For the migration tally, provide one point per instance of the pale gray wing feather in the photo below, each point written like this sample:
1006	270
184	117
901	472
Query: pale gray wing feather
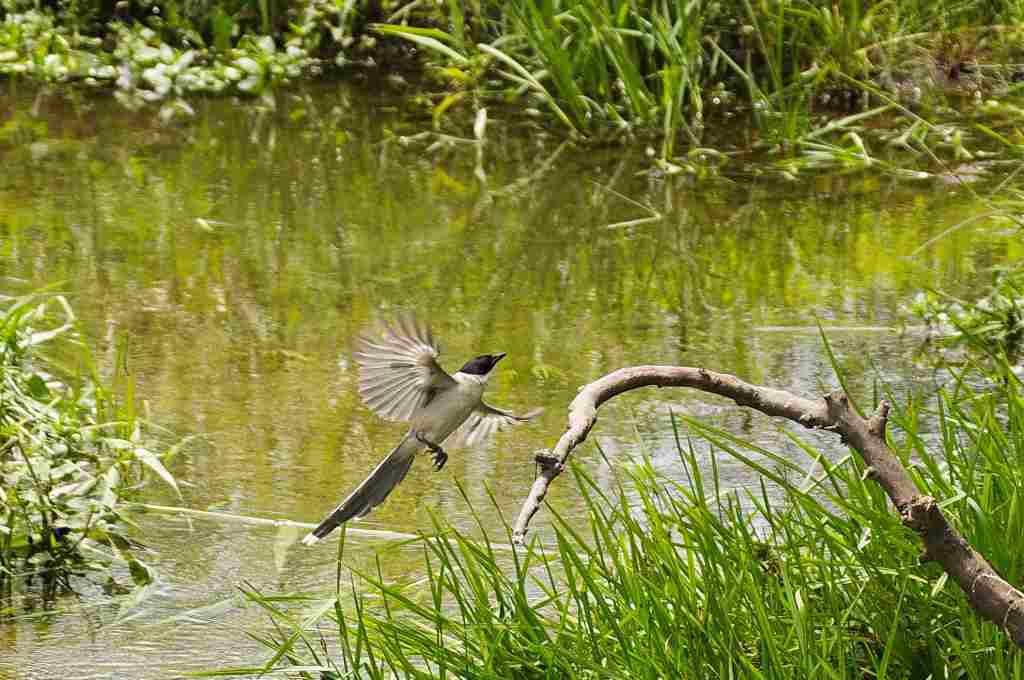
372	492
484	421
398	370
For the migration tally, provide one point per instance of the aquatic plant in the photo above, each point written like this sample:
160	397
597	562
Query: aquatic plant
600	69
70	453
991	325
619	68
143	69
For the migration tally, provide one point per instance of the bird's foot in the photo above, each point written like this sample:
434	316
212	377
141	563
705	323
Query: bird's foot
440	457
546	462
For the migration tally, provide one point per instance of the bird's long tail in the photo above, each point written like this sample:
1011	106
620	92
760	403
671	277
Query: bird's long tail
372	491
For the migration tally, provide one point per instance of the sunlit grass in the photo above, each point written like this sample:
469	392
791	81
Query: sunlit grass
813	577
617	69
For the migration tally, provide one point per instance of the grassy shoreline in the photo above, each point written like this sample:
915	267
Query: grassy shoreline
841	81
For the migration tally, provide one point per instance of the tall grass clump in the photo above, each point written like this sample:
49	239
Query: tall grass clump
70	453
809	575
627	67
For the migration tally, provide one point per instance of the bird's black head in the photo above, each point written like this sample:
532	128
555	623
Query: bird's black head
482	364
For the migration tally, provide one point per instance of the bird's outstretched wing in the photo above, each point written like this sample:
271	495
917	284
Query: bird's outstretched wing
398	371
484	421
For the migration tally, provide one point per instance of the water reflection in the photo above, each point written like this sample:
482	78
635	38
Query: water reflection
239	257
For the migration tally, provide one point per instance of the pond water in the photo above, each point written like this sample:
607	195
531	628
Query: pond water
237	257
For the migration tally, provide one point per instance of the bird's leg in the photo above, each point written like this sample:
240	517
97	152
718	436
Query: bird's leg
440	457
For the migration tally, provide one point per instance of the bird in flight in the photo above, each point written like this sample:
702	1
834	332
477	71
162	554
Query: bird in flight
400	379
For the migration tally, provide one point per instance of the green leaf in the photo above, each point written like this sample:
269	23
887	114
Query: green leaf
405	31
37	388
141	573
446	103
111	479
221	25
150	460
531	79
420	39
455	16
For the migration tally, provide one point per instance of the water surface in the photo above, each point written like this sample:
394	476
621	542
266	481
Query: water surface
238	257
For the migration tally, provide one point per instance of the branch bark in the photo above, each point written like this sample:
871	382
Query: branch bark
992	597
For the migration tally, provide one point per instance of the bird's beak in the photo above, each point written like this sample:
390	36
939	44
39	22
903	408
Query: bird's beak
498	357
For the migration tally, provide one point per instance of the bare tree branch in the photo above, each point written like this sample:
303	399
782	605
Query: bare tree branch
988	593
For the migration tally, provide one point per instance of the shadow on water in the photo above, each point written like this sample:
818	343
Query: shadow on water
240	255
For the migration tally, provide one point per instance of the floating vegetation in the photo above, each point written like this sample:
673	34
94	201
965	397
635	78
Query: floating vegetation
150	64
70	453
142	69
